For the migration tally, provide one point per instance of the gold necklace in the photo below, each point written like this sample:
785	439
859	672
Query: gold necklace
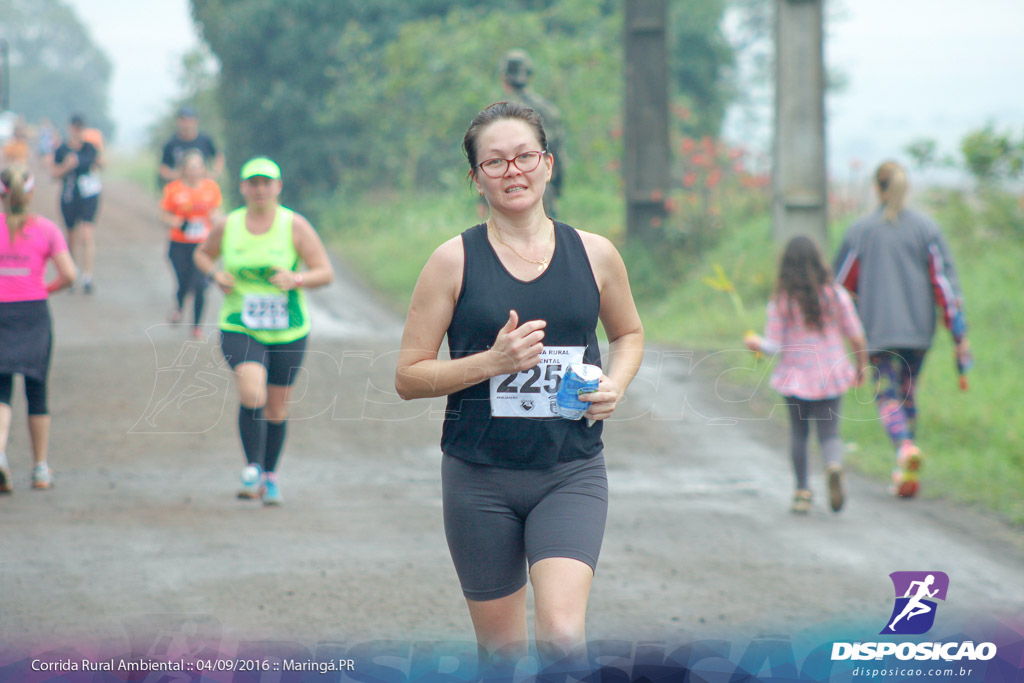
542	264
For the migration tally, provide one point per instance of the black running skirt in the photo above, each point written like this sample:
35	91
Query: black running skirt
26	338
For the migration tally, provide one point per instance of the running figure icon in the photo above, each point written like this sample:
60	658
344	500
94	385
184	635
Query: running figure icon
915	607
916	596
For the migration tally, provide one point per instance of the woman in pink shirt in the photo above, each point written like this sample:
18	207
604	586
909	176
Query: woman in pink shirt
27	242
808	319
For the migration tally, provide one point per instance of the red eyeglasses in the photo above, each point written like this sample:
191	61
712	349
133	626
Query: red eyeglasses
525	162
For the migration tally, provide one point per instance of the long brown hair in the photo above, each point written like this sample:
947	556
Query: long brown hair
891	179
15	185
803	281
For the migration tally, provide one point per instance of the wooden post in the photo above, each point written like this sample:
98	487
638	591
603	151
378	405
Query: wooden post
5	76
800	184
646	167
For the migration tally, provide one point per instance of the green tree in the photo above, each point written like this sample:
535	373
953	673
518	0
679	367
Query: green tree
431	89
303	81
700	60
990	155
56	70
197	81
370	95
924	152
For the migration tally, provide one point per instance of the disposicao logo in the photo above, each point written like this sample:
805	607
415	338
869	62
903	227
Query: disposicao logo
916	592
913	614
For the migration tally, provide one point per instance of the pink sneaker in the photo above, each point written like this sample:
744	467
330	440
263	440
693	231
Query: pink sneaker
906	476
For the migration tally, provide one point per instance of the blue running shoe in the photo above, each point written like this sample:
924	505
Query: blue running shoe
271	496
251	485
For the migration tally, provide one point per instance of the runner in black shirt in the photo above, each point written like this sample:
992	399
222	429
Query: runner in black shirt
187	136
524	491
76	163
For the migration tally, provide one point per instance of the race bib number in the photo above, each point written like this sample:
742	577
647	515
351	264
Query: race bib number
266	312
194	230
89	185
531	393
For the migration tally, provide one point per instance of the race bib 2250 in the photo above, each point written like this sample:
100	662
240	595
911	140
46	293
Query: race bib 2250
531	393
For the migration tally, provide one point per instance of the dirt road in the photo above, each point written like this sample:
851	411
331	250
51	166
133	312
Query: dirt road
142	537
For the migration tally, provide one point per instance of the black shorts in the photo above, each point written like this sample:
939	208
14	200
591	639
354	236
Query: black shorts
80	210
282	361
26	338
499	521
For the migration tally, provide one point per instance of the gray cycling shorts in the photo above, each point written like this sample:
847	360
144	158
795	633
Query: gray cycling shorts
499	521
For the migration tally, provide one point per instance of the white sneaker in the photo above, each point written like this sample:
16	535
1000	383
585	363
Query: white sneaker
42	477
251	485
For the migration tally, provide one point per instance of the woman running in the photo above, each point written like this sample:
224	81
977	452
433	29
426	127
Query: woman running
519	298
27	242
189	204
897	264
264	320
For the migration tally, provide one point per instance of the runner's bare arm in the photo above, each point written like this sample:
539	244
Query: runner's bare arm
168	173
621	324
66	272
207	254
420	373
173	220
319	270
60	170
218	165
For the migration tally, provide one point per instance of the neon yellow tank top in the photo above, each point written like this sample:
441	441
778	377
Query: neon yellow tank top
255	307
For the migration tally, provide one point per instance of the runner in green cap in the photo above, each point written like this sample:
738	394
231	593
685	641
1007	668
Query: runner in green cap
264	320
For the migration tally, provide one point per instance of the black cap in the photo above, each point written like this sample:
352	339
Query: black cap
77	120
187	112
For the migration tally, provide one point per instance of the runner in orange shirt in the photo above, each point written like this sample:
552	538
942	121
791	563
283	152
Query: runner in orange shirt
16	149
188	204
95	137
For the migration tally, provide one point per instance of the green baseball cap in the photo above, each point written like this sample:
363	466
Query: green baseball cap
261	166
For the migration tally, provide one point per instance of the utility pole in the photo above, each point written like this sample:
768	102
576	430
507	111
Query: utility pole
646	168
799	179
5	76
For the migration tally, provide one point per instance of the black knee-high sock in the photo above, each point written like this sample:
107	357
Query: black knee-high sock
253	430
275	442
199	296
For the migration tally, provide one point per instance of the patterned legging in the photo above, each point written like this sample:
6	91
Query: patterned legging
897	382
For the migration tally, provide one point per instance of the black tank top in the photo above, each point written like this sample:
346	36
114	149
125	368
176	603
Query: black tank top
566	296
